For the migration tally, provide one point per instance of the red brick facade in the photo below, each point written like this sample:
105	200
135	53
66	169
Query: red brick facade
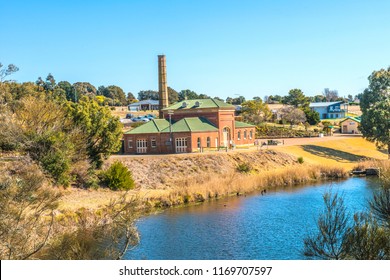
227	134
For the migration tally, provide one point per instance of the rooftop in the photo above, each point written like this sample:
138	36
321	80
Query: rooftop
153	126
195	124
142	102
356	119
324	104
199	104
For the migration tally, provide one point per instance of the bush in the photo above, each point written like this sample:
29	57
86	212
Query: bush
118	177
300	160
244	167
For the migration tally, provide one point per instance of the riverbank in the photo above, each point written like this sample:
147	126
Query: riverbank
167	180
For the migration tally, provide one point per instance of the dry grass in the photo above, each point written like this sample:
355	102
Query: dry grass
238	184
342	152
177	179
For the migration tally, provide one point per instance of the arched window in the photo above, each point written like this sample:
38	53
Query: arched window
239	135
208	142
198	142
250	134
245	134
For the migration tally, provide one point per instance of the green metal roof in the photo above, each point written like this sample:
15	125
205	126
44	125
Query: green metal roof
194	124
199	104
242	124
153	126
357	119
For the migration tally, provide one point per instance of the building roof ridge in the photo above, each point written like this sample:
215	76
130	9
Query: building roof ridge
187	124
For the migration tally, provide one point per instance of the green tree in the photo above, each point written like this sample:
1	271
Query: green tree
332	225
40	126
103	131
375	106
255	111
130	98
239	100
118	177
84	88
70	92
312	117
173	96
148	94
187	94
219	99
296	98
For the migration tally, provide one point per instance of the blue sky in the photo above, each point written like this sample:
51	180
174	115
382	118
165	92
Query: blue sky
220	48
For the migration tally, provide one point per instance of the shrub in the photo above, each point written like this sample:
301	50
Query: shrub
118	177
244	167
300	160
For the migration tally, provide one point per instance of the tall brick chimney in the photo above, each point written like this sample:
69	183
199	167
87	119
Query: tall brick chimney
162	84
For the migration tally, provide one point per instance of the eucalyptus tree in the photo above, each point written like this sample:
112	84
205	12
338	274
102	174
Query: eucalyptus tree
375	106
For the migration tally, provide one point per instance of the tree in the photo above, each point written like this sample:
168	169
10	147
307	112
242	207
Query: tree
7	71
130	98
29	228
40	83
118	177
219	99
366	239
40	127
255	111
318	98
82	89
50	83
312	117
115	93
173	95
148	94
103	131
332	226
297	99
70	92
331	95
375	106
275	99
239	100
27	210
187	94
292	115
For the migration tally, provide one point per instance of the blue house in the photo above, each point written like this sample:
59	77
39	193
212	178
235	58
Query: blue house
330	110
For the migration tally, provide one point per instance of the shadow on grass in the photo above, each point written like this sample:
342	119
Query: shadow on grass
333	154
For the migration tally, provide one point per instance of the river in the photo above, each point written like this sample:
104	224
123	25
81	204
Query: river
269	226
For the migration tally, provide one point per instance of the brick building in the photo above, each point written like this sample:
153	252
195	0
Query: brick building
188	126
194	125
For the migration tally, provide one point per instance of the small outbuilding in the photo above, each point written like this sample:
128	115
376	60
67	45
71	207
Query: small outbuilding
144	105
350	125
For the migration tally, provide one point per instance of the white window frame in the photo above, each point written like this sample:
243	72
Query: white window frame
153	140
130	143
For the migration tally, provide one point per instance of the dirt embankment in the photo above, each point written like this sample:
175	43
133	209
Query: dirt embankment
170	171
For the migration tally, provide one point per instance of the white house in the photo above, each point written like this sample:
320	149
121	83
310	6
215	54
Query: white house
330	110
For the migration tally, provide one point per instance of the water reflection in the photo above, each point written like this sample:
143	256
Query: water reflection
270	226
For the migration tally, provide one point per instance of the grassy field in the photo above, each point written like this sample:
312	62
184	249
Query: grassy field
342	152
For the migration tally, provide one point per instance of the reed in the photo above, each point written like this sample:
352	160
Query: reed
217	186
